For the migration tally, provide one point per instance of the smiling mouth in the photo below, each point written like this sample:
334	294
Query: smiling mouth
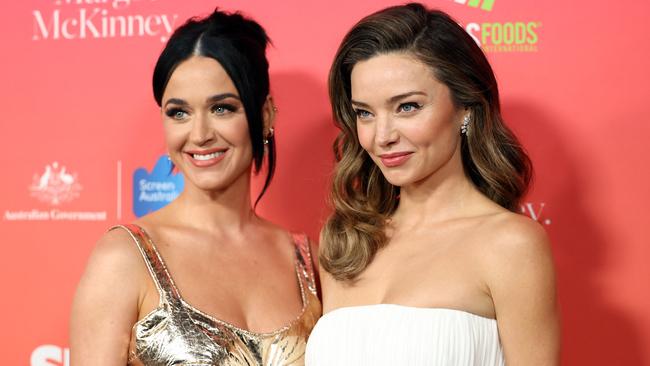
204	157
395	159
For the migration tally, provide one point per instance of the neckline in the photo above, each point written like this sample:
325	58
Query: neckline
407	307
187	305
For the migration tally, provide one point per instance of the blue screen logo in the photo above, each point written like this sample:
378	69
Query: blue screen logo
152	191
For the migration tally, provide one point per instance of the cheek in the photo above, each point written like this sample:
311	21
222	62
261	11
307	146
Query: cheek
236	133
174	136
366	135
431	131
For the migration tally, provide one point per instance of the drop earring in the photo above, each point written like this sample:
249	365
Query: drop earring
464	128
266	139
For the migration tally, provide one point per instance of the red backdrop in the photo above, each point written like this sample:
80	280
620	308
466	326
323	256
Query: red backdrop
81	119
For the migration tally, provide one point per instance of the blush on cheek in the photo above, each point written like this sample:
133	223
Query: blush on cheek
365	136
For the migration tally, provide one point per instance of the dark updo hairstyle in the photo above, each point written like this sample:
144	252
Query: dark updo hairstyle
492	157
239	45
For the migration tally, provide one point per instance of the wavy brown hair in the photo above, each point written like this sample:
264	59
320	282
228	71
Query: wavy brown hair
492	157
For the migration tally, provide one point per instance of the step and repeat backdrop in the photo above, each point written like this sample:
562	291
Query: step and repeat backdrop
81	145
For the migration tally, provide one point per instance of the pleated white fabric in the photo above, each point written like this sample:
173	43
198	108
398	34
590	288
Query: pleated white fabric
386	334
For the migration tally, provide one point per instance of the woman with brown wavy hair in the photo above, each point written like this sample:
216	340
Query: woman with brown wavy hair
424	260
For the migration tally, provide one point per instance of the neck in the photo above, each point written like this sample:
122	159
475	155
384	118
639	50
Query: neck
228	210
435	200
446	194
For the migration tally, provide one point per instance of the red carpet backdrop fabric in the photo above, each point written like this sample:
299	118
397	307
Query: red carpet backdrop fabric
82	142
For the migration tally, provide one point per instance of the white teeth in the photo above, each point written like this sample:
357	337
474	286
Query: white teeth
208	156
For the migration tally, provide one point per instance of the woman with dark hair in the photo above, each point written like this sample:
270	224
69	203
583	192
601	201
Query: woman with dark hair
204	280
424	259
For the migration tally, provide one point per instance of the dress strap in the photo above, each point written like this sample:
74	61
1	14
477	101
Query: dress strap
303	254
157	268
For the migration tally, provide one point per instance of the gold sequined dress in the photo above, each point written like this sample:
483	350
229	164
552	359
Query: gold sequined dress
175	333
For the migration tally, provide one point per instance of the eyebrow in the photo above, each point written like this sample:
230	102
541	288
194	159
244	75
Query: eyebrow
218	97
392	99
212	99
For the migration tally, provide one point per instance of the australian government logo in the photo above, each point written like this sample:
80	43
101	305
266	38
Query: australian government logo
54	186
94	19
152	191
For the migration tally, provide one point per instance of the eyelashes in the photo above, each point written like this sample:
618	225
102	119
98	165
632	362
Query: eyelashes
409	107
403	108
176	113
361	113
221	109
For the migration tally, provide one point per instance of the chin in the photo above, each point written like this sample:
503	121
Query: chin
215	181
398	180
207	183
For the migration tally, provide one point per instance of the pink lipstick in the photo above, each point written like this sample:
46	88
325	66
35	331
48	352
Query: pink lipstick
393	160
205	158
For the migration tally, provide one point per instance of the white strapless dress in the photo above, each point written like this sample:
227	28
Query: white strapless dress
395	335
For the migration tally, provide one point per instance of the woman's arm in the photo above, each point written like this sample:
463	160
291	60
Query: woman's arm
522	285
105	306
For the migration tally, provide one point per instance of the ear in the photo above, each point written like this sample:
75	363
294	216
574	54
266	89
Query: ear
268	114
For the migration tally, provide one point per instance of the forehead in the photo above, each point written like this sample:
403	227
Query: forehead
199	75
390	74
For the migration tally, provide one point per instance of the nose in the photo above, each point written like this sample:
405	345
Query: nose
202	131
386	134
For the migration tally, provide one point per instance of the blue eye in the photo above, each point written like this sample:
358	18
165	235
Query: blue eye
409	107
362	114
223	108
175	113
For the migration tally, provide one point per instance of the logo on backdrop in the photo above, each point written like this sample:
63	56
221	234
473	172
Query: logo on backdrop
54	185
536	212
486	5
152	191
50	355
88	19
505	36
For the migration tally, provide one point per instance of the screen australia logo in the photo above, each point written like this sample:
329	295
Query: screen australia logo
89	19
152	191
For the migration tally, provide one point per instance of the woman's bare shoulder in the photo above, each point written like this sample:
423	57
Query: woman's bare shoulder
516	254
114	257
512	232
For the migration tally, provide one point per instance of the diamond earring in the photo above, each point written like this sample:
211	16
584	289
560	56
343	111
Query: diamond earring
464	128
266	139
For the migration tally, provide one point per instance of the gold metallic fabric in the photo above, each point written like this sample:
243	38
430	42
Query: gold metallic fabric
175	333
